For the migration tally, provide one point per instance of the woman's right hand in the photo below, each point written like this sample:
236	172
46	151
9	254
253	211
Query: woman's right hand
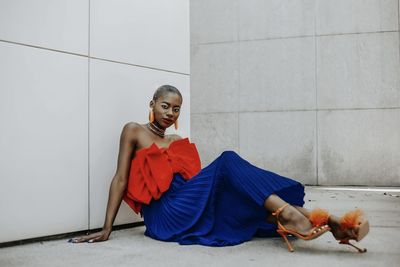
103	235
118	185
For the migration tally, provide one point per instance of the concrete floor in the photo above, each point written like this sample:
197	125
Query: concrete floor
130	247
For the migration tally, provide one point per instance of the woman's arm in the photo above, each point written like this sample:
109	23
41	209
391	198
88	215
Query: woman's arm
118	185
120	180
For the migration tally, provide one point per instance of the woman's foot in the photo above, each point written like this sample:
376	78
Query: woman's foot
292	219
334	223
338	232
349	227
292	222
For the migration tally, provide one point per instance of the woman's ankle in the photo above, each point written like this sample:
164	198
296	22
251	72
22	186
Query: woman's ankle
291	214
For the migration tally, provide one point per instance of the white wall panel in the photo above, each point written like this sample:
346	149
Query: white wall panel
147	33
61	25
119	94
46	97
43	142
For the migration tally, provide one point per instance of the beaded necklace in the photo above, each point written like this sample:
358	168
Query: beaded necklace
152	127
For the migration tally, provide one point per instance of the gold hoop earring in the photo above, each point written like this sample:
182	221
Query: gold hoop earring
176	125
151	115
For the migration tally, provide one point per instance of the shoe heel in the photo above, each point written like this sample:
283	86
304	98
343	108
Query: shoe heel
283	234
347	242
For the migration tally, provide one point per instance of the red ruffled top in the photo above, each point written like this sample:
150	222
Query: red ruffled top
152	171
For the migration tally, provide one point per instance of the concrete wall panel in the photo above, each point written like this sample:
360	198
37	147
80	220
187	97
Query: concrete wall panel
356	16
282	142
358	71
260	19
301	57
277	74
214	133
359	147
213	21
215	78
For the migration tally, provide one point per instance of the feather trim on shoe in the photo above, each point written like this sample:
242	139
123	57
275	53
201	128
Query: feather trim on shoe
351	219
319	217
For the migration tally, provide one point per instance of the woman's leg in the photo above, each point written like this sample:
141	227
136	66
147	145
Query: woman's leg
333	222
290	217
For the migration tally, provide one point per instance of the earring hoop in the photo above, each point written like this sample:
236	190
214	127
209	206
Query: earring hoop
151	115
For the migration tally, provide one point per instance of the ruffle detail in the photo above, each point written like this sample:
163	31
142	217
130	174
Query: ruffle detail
152	170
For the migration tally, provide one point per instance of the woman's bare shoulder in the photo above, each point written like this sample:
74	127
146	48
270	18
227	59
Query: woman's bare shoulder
131	130
131	125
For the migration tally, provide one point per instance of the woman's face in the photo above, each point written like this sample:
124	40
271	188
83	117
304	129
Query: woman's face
166	109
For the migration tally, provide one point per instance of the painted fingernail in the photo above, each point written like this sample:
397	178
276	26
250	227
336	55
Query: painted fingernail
90	241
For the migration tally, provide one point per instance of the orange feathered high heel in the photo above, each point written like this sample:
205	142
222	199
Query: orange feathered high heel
351	220
354	220
319	221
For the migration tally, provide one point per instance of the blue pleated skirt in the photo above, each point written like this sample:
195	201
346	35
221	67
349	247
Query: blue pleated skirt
222	205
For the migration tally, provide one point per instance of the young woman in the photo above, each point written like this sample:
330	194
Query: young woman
226	203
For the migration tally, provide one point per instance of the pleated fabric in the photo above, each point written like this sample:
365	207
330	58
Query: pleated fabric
222	205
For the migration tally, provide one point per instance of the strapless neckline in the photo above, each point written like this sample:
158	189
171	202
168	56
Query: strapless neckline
162	148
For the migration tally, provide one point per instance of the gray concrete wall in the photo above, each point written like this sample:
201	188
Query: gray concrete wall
306	88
